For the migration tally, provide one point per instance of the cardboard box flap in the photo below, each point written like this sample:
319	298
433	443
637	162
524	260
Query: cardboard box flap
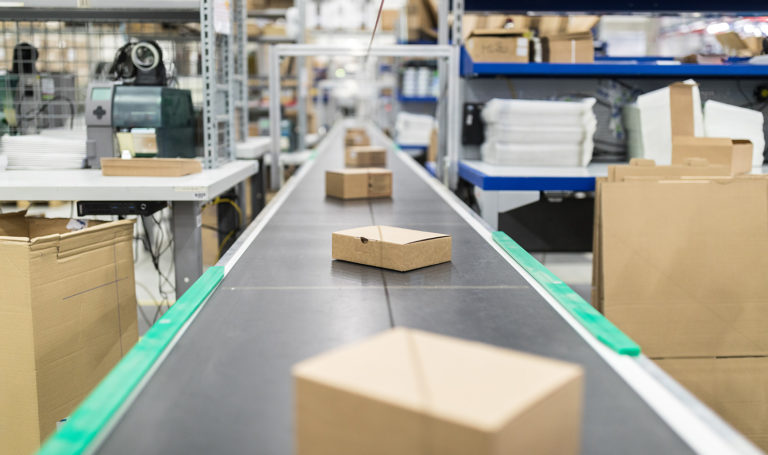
496	32
390	234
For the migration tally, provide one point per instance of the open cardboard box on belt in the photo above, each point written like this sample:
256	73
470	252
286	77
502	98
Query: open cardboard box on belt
681	266
67	316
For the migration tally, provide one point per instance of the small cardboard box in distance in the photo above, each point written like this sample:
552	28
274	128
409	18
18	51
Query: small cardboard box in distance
498	46
365	156
356	137
736	154
391	247
568	48
358	183
409	392
67	316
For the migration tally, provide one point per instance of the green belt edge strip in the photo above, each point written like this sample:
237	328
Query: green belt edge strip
93	414
600	327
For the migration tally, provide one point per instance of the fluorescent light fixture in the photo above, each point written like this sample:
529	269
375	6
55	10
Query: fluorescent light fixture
11	4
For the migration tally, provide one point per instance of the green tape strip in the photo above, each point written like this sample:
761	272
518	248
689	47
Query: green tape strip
590	318
93	414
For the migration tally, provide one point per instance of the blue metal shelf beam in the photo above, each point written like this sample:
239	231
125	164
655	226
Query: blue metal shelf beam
630	68
735	7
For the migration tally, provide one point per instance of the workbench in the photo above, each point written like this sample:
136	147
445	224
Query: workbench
186	195
214	374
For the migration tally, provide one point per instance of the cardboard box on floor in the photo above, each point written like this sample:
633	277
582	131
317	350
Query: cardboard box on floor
409	392
358	183
67	316
680	262
735	388
365	156
391	247
498	46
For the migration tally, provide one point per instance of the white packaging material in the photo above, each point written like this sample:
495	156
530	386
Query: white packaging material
725	120
507	154
413	129
3	162
539	133
655	120
43	152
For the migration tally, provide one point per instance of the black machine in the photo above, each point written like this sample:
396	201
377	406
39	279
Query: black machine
139	63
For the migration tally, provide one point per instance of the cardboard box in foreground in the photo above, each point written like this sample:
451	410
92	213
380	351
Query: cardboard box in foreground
736	388
409	392
358	183
365	156
391	247
67	316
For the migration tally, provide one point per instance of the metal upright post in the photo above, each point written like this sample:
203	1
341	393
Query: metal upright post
208	49
301	73
240	76
443	77
274	117
448	168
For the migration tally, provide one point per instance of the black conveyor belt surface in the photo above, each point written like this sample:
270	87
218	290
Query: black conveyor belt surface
226	388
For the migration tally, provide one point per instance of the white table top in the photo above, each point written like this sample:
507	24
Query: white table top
494	170
90	185
593	170
253	147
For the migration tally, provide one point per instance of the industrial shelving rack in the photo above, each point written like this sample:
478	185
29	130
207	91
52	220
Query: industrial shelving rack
224	68
635	68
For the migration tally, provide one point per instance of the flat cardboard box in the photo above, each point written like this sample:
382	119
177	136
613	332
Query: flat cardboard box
734	387
150	167
67	316
683	262
409	392
498	46
735	154
391	247
568	48
358	183
365	156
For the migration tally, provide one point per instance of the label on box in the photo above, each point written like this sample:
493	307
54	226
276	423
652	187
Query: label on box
522	47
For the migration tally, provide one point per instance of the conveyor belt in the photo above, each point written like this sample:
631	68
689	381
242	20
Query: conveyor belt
225	387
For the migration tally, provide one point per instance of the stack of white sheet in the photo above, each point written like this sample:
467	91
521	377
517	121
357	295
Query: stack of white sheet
43	152
413	129
539	133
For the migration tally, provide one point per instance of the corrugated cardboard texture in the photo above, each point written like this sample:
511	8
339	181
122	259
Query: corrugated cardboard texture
358	183
356	137
681	109
736	154
498	46
365	156
735	388
684	263
67	316
150	167
391	247
409	392
568	48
